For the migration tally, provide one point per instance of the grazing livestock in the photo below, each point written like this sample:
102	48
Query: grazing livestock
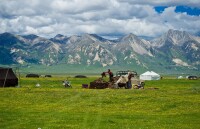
192	77
48	76
80	76
32	75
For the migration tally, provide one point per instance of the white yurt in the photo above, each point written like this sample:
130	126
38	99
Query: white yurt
150	75
180	77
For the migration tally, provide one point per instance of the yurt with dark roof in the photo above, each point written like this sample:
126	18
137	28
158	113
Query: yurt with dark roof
8	77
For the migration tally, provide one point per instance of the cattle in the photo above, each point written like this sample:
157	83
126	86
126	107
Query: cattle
80	76
32	75
192	77
47	76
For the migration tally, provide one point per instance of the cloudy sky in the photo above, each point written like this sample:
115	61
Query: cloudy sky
104	17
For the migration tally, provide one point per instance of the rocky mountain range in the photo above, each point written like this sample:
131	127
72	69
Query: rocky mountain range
171	51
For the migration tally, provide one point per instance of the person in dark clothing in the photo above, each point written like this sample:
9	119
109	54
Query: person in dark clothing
110	75
129	84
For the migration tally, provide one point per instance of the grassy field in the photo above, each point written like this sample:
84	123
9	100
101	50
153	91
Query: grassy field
174	105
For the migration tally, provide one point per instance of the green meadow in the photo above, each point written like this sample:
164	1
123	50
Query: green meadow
174	105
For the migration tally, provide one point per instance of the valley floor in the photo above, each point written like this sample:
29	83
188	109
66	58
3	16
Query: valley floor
175	104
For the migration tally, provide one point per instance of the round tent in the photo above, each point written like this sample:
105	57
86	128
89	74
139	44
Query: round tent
150	75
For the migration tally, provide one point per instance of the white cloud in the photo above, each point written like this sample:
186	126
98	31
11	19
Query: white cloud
113	17
31	30
180	21
78	6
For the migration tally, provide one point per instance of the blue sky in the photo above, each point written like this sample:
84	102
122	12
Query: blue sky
180	9
103	17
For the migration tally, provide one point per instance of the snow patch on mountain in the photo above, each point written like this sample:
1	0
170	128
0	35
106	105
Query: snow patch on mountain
88	62
194	46
97	47
104	65
125	57
42	61
13	50
90	54
197	63
96	58
179	62
111	62
139	49
20	61
56	47
74	60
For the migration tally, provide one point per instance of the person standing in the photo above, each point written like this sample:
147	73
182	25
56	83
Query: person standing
110	75
128	83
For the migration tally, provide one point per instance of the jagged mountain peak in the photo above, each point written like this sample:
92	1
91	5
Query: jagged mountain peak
133	43
98	37
90	37
177	35
86	35
30	36
132	39
172	31
85	39
73	39
6	34
90	49
172	37
59	36
129	37
8	38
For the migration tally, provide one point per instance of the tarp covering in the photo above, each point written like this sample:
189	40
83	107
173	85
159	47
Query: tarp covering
150	75
7	77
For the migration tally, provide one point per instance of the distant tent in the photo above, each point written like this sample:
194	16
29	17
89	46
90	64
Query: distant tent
180	77
7	77
150	75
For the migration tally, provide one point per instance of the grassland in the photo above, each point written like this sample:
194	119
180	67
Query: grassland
174	105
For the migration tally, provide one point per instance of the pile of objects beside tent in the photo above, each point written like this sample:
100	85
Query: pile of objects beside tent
119	81
99	84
